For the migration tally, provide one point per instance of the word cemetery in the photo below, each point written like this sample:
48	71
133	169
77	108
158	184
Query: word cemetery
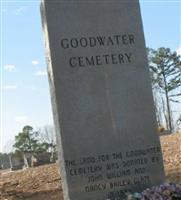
101	98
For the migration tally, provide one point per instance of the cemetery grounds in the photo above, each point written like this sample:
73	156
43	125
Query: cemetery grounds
44	182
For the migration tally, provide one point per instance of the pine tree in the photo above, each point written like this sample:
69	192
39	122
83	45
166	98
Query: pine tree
165	68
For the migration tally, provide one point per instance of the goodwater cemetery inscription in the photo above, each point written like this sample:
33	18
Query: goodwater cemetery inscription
102	99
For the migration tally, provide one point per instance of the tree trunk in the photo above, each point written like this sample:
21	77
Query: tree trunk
167	104
157	110
169	113
164	113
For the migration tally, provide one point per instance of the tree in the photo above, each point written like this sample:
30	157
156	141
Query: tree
165	68
26	140
47	136
27	143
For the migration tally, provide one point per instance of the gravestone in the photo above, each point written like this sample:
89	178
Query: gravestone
16	162
101	98
4	161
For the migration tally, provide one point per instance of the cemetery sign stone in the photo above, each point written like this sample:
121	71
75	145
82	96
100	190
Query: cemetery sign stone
102	99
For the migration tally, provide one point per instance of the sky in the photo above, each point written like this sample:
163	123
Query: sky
25	97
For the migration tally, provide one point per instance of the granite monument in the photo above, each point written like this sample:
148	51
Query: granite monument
101	98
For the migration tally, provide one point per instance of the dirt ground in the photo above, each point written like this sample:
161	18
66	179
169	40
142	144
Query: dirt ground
44	182
171	149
